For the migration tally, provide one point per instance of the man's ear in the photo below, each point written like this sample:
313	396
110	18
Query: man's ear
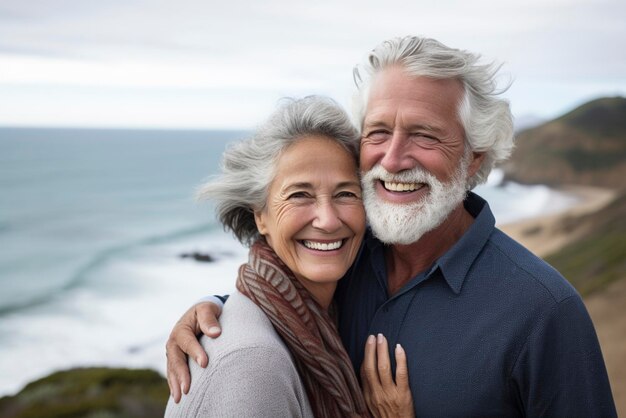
476	163
259	219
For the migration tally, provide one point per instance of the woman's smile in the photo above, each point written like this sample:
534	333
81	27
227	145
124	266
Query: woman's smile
314	218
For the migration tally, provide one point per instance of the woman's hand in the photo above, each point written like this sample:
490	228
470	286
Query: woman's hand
385	398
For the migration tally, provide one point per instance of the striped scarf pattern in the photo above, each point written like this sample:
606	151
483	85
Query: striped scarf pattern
308	331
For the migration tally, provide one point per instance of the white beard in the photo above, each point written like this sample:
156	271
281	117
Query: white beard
395	223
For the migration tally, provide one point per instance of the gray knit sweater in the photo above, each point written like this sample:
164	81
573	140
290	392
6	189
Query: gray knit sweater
250	373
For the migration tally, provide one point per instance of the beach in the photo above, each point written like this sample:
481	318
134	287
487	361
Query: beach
607	307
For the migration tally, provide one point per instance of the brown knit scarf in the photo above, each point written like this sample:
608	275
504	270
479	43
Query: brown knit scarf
308	331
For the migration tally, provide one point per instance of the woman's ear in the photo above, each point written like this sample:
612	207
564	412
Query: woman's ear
259	219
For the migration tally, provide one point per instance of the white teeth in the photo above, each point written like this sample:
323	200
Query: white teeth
322	246
400	187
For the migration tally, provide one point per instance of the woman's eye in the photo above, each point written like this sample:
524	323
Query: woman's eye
347	194
298	195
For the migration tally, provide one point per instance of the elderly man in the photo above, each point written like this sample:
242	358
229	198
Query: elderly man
489	329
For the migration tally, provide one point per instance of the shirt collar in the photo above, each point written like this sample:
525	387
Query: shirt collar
374	248
456	262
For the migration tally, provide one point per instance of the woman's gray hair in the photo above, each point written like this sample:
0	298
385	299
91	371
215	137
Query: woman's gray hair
248	167
486	118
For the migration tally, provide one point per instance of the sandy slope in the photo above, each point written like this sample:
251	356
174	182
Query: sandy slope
608	312
543	235
607	307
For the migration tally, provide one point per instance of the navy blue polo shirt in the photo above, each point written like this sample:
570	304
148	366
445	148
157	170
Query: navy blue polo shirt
490	330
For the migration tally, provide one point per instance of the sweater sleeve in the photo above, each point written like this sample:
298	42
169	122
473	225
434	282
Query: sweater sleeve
560	371
249	381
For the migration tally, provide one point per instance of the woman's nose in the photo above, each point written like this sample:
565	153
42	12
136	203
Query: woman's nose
326	217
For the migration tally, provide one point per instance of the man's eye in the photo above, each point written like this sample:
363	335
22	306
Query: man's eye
378	135
426	138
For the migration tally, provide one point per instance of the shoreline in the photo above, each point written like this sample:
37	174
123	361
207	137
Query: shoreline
544	234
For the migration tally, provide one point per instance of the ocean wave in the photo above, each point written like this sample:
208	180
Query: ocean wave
122	314
99	260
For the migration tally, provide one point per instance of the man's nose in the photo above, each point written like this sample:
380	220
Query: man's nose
326	217
397	155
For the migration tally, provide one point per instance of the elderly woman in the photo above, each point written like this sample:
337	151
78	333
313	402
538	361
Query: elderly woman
292	193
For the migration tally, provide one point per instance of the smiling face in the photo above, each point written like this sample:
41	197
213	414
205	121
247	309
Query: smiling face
314	218
413	154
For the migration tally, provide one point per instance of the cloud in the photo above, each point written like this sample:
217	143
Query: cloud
280	47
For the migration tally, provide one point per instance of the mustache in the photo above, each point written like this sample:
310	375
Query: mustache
414	175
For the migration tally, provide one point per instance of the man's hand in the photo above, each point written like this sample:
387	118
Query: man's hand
199	319
384	397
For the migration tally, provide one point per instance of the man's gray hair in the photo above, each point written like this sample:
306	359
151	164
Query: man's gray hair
485	117
248	167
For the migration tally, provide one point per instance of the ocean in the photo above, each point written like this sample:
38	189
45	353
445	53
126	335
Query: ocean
93	224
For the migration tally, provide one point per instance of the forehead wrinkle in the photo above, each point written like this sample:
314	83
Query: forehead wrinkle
411	120
374	124
348	184
287	186
299	185
398	118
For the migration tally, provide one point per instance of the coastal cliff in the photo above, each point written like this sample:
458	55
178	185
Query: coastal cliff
586	146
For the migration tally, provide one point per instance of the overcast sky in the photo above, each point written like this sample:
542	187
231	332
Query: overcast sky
224	64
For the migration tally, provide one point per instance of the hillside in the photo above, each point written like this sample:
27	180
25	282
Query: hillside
599	256
91	392
586	146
